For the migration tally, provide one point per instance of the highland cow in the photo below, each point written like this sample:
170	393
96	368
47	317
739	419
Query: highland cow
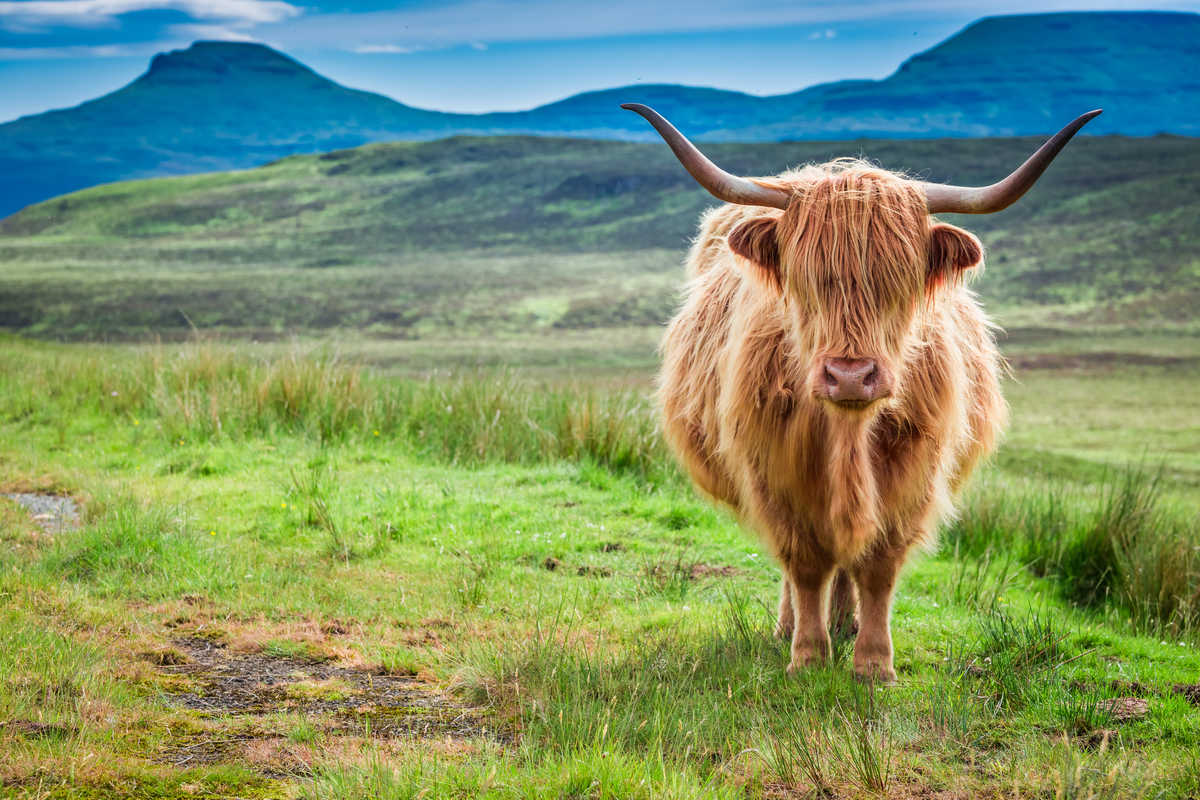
831	378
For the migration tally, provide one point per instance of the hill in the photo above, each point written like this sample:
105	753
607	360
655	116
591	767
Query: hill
470	237
224	105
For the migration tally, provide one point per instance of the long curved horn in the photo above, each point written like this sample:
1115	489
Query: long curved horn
999	196
719	183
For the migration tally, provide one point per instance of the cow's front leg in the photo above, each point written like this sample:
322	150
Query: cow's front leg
786	621
875	579
810	607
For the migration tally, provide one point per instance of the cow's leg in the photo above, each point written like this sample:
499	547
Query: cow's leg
787	616
810	606
842	606
875	578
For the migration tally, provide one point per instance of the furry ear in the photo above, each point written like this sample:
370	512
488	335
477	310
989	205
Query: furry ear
755	241
951	250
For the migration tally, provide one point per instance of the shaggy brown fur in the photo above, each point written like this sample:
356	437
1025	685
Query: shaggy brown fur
854	268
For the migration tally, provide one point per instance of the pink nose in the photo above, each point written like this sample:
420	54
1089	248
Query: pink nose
854	381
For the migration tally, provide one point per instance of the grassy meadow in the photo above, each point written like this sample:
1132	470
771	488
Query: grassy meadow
373	503
300	577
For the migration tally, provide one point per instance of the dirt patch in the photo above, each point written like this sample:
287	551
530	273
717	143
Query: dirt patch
261	697
1137	689
225	682
53	513
37	730
1190	692
700	571
202	748
1099	360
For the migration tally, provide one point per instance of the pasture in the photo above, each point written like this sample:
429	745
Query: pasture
297	575
372	502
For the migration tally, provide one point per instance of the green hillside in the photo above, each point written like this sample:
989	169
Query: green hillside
469	236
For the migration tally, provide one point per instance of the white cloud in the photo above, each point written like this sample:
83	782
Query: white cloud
79	51
461	22
98	13
479	45
386	48
828	33
210	33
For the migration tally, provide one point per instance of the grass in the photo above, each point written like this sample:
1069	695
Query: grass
202	393
1120	548
564	617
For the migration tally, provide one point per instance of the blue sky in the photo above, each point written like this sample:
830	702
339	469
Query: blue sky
477	55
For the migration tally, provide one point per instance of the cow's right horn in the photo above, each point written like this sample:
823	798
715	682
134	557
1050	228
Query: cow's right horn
719	183
999	196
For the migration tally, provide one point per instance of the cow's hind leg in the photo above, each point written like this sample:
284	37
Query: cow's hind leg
875	579
842	607
810	606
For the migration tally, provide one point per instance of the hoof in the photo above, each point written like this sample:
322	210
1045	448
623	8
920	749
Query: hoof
876	674
796	667
808	659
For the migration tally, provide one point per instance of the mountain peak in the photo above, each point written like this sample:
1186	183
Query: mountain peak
211	60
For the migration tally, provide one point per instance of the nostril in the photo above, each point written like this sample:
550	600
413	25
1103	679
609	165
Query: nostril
872	376
831	378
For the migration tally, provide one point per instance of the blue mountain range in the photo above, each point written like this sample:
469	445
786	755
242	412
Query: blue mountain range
225	105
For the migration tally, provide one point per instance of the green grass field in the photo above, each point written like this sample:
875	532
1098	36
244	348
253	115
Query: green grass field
297	577
388	514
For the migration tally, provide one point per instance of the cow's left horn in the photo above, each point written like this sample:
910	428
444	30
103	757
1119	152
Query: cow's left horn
999	196
719	183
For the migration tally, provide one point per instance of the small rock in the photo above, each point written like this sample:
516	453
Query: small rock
53	513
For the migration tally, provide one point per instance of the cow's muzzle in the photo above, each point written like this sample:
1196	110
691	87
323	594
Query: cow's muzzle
854	383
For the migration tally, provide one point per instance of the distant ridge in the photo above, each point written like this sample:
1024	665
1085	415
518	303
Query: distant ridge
227	105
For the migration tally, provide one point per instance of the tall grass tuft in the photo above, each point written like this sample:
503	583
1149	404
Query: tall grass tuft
862	742
797	748
1120	545
312	488
497	417
653	694
201	391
